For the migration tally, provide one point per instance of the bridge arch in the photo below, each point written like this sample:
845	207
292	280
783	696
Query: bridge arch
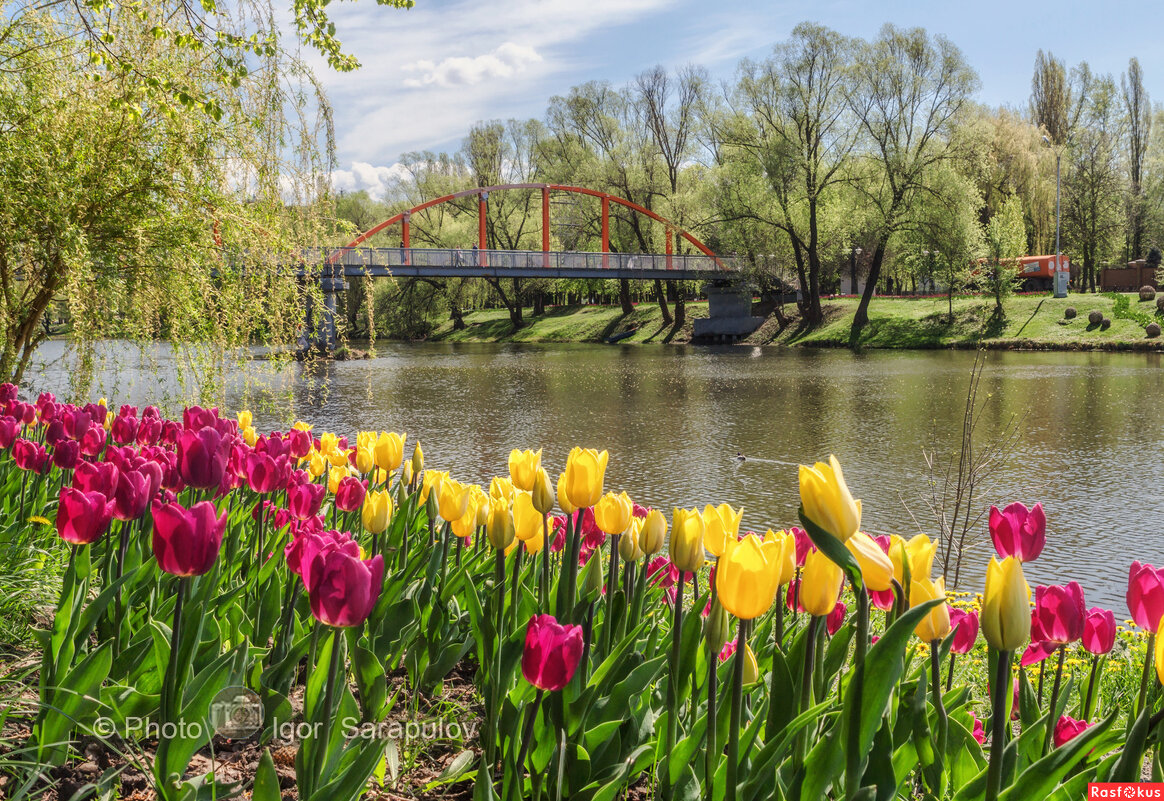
404	217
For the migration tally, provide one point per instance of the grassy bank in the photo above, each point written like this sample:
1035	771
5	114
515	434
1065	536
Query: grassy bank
1029	322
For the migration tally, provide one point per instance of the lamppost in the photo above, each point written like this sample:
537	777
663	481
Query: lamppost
1059	286
854	252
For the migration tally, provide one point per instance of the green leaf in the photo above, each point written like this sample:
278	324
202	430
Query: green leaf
832	547
266	780
1041	778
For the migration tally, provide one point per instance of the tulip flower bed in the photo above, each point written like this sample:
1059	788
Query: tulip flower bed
331	596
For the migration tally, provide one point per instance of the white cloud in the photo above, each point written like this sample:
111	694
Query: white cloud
503	62
376	181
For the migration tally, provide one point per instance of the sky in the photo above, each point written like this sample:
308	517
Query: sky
430	72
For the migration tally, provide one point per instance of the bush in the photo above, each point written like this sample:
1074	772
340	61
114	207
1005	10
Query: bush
1153	330
1095	317
1147	292
1070	312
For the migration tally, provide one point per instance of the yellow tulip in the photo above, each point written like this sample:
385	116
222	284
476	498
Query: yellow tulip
328	443
465	525
921	556
653	532
502	488
453	500
334	477
720	524
250	436
585	472
302	426
376	512
686	544
820	584
388	451
628	544
535	544
405	474
745	581
936	624
500	528
433	479
481	504
316	464
563	499
613	512
364	459
543	493
827	500
787	554
417	459
751	667
876	567
523	468
527	520
245	419
1006	612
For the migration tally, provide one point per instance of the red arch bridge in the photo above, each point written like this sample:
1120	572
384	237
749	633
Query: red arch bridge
330	266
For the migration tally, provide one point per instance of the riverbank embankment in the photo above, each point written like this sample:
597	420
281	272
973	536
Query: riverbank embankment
1029	322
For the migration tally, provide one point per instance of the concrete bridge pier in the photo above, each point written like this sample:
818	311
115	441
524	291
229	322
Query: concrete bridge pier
729	313
321	328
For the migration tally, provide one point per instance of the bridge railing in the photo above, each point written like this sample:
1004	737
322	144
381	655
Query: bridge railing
516	259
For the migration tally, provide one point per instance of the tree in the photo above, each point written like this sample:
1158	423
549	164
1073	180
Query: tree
1138	125
908	93
792	125
1057	99
1006	241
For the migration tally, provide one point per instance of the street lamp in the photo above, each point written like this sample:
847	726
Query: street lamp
1059	286
853	254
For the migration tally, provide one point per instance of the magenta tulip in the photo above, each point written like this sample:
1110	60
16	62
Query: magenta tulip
29	455
9	428
1146	595
1059	613
979	733
202	456
836	618
149	430
965	627
133	495
1099	630
82	517
124	428
66	454
1018	531
93	441
303	500
306	543
1068	728
186	541
8	392
265	474
76	422
342	588
195	418
100	477
299	442
552	652
349	495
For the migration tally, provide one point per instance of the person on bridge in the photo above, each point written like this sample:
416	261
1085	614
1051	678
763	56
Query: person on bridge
476	257
402	258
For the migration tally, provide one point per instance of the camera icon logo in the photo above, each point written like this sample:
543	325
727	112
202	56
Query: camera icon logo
236	713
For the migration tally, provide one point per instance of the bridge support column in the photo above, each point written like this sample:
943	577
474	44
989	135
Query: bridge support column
325	329
729	314
546	227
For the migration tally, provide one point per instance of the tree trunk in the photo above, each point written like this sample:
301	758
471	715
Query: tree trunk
457	316
624	296
861	318
539	304
677	298
661	298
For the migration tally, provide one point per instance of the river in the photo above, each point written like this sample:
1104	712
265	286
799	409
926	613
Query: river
674	418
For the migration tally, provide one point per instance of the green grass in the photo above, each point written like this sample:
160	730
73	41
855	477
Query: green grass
1029	322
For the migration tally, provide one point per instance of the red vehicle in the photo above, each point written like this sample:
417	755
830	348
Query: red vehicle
1037	273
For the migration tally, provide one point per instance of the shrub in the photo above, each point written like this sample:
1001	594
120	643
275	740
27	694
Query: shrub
1105	323
1070	312
1153	330
1147	292
1095	317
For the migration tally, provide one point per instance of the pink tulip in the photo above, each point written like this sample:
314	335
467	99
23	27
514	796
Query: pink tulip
792	597
803	545
100	477
729	648
8	392
186	541
76	422
1146	595
552	652
299	442
66	454
978	732
133	495
125	425
202	456
349	494
1037	651
303	500
195	418
93	441
1018	531
149	430
1068	728
343	588
884	599
836	618
965	627
9	428
1099	630
1058	614
266	474
29	455
82	517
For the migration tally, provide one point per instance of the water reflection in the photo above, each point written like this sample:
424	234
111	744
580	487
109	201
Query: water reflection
675	417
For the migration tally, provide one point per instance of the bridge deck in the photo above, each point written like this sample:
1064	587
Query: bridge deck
445	263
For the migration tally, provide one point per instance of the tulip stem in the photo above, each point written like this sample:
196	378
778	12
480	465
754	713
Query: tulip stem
711	747
777	646
544	587
733	744
1090	687
950	672
1149	657
526	737
515	585
998	723
609	622
320	751
939	703
673	687
854	759
489	736
1054	698
806	683
1042	675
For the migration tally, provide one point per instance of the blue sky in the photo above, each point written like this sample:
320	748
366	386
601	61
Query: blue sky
430	72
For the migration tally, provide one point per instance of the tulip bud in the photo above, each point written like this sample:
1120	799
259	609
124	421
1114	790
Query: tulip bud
820	584
936	624
628	543
377	511
250	436
524	467
406	474
552	653
686	549
592	578
543	494
481	503
613	513
876	567
585	473
417	459
527	520
717	628
245	419
564	499
453	500
364	460
751	668
500	529
827	501
1006	613
653	532
388	450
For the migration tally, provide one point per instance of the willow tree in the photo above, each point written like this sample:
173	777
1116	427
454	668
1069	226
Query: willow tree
134	210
